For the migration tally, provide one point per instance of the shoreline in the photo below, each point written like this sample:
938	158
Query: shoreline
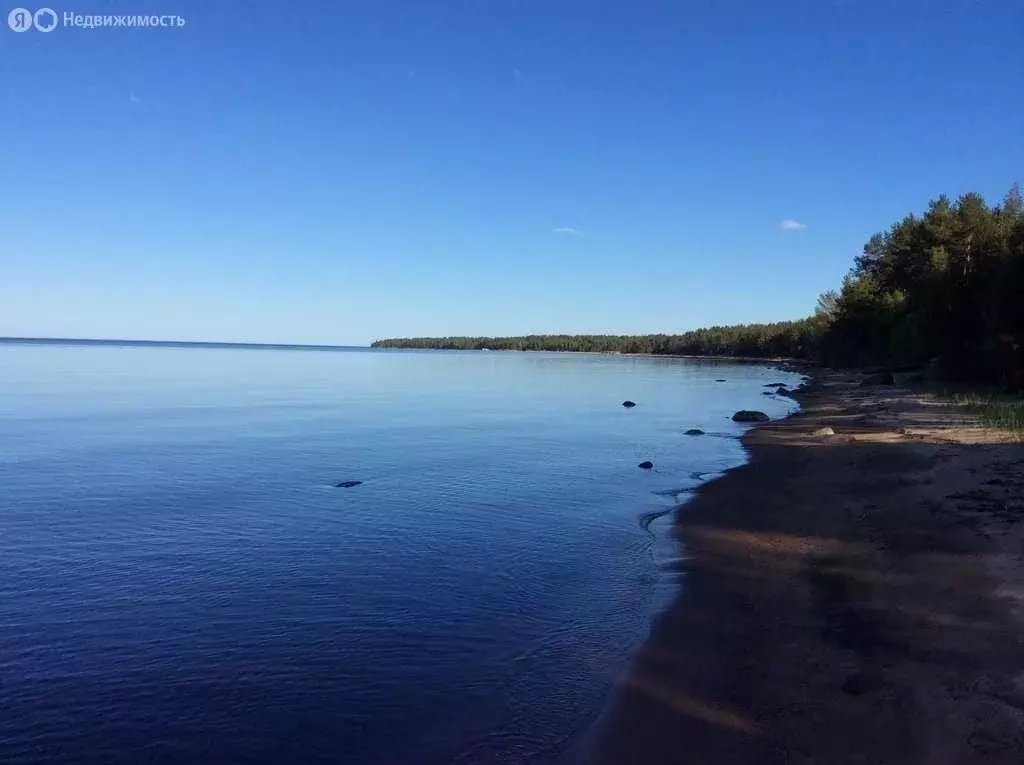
856	597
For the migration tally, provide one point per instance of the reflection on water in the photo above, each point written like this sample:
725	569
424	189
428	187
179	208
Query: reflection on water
181	582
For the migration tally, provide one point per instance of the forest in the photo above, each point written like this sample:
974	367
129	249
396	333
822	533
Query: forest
787	339
942	289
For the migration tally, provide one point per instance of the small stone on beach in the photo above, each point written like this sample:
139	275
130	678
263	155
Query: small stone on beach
825	431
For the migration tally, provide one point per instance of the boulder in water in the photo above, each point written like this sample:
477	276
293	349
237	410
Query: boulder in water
694	432
629	404
746	415
646	465
720	379
347	484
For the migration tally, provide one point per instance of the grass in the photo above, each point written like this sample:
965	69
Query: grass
997	410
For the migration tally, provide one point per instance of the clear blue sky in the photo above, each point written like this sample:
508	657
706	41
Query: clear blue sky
341	171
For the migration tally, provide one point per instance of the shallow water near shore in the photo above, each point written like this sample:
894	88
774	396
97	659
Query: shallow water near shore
180	580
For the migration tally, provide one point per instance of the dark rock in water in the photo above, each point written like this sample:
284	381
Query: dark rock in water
773	385
629	404
745	415
347	484
720	379
782	392
694	432
647	465
768	393
879	378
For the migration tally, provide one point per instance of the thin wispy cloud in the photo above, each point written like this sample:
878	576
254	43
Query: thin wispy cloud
568	230
132	98
788	224
516	73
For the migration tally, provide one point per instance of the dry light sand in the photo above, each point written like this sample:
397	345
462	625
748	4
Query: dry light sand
852	598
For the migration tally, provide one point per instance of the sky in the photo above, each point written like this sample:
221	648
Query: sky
342	171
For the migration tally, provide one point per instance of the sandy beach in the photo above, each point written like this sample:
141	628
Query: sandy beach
847	598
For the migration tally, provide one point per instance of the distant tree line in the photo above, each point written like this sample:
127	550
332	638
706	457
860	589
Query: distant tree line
943	289
787	339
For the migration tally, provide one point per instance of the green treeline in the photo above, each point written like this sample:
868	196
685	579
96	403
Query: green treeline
783	339
942	289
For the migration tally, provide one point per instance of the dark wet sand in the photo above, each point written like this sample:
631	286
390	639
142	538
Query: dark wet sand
855	598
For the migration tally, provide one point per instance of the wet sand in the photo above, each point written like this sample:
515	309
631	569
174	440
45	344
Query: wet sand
847	598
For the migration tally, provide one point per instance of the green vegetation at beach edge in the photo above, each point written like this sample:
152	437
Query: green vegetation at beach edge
997	410
942	290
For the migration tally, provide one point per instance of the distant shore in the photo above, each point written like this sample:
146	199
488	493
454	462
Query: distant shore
853	597
308	347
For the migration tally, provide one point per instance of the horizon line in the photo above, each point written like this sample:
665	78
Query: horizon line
215	343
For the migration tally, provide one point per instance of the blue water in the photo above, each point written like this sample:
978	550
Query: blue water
180	582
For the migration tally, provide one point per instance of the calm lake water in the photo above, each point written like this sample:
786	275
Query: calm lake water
180	582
